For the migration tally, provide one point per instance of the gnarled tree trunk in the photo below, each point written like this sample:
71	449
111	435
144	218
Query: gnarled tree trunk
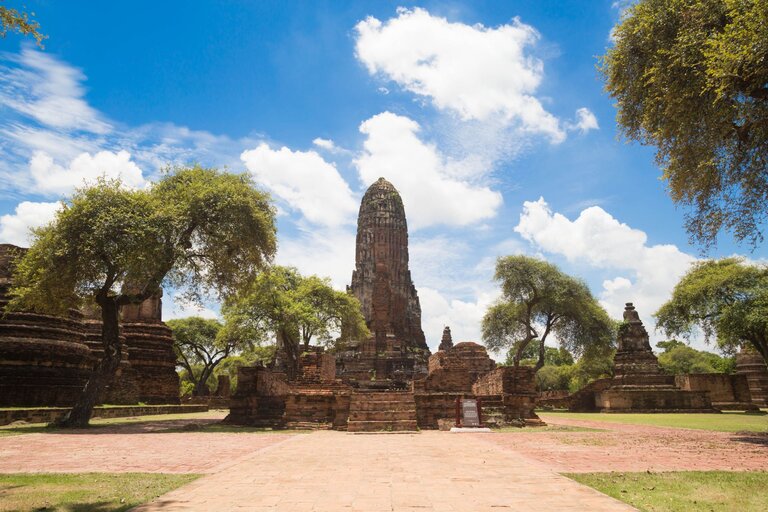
104	371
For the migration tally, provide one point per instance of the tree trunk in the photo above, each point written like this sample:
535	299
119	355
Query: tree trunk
104	372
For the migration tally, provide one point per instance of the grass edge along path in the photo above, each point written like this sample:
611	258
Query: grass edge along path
84	492
683	491
724	422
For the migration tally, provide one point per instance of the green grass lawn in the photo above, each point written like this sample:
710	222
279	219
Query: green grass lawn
725	422
684	491
84	492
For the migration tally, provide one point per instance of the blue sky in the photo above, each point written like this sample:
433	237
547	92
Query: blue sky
489	117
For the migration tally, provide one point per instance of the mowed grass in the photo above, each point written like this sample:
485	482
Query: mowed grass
84	492
684	491
725	422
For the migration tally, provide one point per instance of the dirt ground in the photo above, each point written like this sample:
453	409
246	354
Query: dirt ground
135	447
622	447
617	447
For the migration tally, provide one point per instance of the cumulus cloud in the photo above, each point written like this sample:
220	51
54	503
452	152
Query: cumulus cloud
326	144
325	252
585	121
392	149
174	306
305	181
15	228
463	317
648	272
475	71
53	179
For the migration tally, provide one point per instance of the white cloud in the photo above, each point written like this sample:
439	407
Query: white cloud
15	228
50	92
585	121
175	307
599	240
393	150
475	71
463	317
53	179
305	181
325	252
326	144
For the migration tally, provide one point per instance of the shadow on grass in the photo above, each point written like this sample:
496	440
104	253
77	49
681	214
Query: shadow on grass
149	427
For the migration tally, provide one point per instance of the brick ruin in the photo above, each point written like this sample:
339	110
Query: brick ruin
389	381
638	384
397	351
46	360
752	366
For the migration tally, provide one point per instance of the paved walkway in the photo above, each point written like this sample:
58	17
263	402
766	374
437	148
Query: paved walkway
339	471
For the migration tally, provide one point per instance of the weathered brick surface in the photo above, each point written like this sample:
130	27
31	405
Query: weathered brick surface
725	391
51	414
46	360
752	365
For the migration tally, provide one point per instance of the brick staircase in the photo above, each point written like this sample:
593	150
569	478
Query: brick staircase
382	411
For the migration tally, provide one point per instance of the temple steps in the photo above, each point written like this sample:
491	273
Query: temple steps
385	411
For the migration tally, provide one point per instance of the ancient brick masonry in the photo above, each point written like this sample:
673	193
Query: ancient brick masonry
46	360
752	366
382	283
638	384
43	359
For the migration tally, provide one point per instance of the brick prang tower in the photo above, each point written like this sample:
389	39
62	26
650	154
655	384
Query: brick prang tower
381	280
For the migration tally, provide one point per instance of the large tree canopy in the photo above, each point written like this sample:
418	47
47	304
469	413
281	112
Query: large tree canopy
200	230
539	300
294	309
691	78
725	299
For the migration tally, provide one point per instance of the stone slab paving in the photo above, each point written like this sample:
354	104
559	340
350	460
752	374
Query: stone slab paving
339	471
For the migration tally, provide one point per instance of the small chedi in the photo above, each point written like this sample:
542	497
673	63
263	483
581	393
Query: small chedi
638	384
46	360
389	381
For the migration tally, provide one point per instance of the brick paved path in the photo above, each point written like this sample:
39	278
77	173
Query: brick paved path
339	471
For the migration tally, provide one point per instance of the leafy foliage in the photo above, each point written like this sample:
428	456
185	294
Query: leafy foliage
678	358
295	310
19	21
199	349
726	299
199	230
538	300
691	78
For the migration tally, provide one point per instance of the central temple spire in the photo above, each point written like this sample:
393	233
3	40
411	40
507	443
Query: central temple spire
381	280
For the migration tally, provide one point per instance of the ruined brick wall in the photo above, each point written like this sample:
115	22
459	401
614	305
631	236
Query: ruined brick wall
457	368
507	380
720	386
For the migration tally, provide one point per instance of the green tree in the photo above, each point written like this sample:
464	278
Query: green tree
726	299
678	358
295	310
21	22
691	78
200	349
538	299
198	230
552	356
